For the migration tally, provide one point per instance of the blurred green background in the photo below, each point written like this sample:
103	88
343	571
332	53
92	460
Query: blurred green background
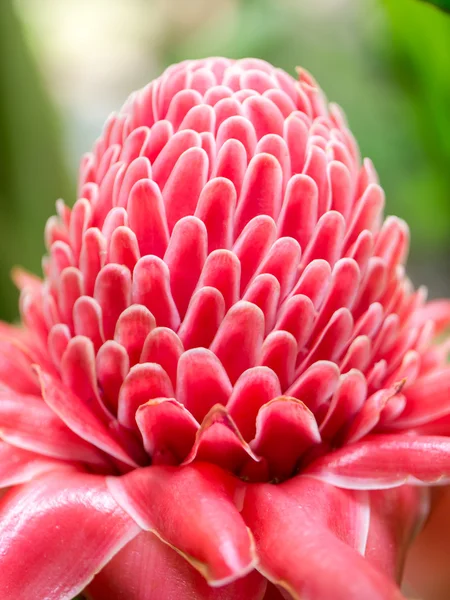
65	64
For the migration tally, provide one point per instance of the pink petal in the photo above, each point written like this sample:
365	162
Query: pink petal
132	328
168	430
183	187
316	385
253	244
345	404
231	163
215	208
296	316
222	271
19	466
151	287
239	339
395	517
185	257
261	191
298	215
383	461
201	382
428	399
220	442
80	419
210	534
113	293
238	128
327	240
279	352
144	382
147	218
307	533
282	261
285	429
40	523
123	248
147	569
203	317
164	347
170	153
87	320
19	415
112	366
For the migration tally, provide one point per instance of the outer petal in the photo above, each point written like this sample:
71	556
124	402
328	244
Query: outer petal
18	466
40	524
148	569
27	422
386	461
192	509
395	517
77	416
426	569
304	530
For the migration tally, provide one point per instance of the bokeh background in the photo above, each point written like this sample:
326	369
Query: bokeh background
66	64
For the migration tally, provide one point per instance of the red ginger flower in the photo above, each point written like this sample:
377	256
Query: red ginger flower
225	387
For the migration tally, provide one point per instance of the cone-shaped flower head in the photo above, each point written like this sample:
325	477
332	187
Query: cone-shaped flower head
224	364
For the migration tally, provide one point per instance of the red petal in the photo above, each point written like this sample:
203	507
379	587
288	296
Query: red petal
18	466
147	217
279	353
80	418
87	321
132	328
163	347
207	530
144	382
285	429
395	517
112	366
231	162
151	287
185	257
168	430
223	272
261	190
264	291
253	244
201	382
219	441
299	213
147	569
113	293
307	534
177	144
216	208
204	315
345	404
428	398
316	385
40	524
327	240
123	248
383	461
282	261
183	187
238	342
19	415
296	316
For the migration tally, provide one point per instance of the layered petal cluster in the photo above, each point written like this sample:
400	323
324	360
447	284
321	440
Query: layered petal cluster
225	386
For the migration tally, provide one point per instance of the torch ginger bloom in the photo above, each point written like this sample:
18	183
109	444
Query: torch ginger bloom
225	386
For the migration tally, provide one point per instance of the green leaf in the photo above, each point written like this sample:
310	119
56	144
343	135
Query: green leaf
443	4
